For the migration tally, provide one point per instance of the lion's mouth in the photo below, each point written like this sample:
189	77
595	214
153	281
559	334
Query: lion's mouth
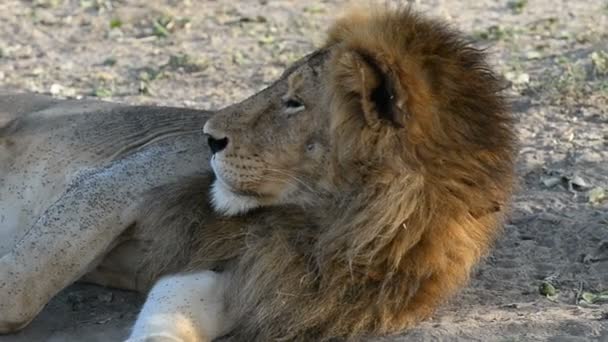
233	189
248	193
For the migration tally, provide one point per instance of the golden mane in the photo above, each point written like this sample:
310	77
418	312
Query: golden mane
417	202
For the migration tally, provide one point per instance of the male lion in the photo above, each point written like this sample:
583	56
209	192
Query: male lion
349	198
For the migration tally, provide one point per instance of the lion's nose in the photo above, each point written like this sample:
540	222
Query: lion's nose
217	141
217	145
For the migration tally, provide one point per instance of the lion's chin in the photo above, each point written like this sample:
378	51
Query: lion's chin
228	203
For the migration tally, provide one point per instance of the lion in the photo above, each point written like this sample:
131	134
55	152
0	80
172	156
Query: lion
350	198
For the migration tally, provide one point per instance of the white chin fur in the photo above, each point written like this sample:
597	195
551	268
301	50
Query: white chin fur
228	203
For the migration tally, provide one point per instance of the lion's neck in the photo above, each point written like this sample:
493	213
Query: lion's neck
374	225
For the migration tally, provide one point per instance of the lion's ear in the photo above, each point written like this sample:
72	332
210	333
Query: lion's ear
381	96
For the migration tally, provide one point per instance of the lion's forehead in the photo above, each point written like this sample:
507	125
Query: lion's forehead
315	61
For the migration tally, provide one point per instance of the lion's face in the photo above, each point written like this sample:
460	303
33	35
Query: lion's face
273	147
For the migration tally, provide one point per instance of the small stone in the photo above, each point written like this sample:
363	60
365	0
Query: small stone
56	89
522	78
547	289
551	181
597	195
517	78
533	54
579	183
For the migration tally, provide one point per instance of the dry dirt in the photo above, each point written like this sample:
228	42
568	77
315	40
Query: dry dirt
207	54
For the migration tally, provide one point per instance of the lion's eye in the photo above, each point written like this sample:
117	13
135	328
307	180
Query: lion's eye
292	105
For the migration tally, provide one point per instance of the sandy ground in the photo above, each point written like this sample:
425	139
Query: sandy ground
207	54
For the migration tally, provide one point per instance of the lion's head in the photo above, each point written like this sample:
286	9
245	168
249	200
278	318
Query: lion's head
394	142
273	148
389	96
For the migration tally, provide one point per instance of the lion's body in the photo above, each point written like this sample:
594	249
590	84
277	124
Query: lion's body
35	163
350	198
69	170
46	144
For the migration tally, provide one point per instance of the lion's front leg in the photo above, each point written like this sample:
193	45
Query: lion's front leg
184	308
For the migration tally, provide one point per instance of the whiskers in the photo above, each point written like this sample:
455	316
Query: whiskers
291	178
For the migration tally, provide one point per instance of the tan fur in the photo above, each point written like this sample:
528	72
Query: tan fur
376	200
71	173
